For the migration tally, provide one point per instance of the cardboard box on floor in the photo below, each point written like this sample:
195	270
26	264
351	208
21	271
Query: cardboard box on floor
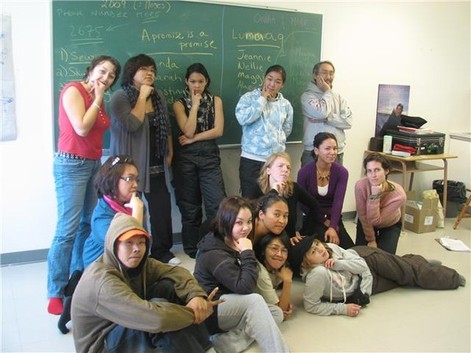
422	220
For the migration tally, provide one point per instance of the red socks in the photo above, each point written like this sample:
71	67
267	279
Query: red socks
55	306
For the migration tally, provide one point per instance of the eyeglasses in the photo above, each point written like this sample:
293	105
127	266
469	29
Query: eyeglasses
119	160
328	73
130	179
277	250
148	69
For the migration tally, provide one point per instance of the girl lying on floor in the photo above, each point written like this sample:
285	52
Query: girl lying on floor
340	282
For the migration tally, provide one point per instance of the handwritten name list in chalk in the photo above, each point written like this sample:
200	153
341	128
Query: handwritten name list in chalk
236	44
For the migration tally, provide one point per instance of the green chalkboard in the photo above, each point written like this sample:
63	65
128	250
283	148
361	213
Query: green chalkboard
236	44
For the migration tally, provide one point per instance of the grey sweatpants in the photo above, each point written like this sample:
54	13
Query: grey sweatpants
248	318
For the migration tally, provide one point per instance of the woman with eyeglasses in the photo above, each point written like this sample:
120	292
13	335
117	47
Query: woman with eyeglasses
140	128
271	245
116	188
340	282
379	202
198	175
274	273
83	121
226	260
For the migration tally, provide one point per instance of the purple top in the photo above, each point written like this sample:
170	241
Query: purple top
332	203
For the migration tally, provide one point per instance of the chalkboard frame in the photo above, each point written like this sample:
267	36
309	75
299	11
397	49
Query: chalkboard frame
225	38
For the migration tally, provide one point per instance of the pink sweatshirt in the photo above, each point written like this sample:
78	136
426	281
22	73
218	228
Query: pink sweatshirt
378	213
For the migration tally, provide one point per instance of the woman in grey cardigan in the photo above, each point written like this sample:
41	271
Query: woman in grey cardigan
140	128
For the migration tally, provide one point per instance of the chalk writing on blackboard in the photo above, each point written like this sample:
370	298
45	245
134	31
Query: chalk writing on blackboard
236	44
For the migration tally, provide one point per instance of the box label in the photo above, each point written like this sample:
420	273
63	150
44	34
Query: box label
409	218
428	221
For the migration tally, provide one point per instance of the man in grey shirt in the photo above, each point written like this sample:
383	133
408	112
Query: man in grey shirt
324	110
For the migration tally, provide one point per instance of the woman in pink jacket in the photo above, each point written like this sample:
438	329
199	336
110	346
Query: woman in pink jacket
379	203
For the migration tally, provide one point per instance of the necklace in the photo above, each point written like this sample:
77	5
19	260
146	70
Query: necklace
102	116
321	177
100	113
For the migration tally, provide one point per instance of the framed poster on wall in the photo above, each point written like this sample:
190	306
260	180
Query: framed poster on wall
393	102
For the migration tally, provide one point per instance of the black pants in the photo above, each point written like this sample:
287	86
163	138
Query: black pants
160	211
193	338
198	181
386	238
249	172
311	227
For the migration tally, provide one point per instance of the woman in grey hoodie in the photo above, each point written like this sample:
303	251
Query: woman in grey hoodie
340	282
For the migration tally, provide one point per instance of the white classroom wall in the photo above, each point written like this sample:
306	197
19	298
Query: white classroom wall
421	44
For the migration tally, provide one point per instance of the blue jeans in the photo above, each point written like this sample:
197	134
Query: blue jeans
76	199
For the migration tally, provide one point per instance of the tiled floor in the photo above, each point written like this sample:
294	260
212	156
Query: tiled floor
401	320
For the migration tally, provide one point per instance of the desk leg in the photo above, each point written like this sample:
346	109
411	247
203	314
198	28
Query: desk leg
445	186
411	181
404	182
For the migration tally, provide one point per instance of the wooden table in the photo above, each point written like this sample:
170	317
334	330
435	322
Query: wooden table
414	164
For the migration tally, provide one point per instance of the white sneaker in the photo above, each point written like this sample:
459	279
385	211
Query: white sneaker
175	261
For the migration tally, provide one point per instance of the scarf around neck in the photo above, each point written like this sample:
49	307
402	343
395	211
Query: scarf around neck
205	115
157	118
117	207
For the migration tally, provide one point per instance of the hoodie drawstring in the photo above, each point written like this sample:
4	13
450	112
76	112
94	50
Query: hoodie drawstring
342	279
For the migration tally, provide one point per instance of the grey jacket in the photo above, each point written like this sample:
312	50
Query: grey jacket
326	289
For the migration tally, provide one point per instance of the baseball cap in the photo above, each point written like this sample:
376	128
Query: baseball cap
131	233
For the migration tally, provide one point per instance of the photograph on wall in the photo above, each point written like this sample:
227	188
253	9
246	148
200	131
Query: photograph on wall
8	118
393	102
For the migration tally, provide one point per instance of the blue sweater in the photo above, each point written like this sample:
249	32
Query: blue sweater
266	124
95	244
